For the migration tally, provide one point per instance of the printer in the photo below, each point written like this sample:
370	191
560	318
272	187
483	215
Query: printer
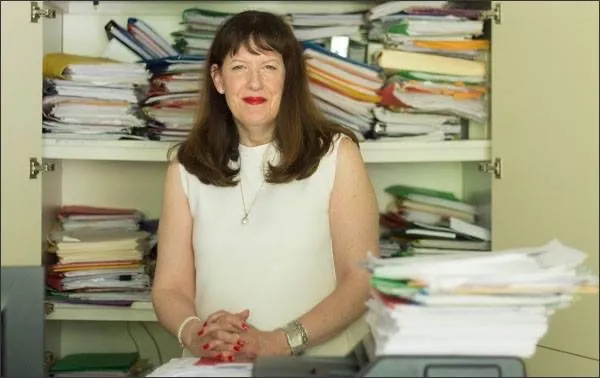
362	362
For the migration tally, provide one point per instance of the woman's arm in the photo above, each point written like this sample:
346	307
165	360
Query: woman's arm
354	224
173	288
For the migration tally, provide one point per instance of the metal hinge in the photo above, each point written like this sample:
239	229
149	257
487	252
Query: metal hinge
49	359
48	308
494	14
38	12
35	168
492	166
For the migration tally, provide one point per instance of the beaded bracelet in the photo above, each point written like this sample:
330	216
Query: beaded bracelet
183	324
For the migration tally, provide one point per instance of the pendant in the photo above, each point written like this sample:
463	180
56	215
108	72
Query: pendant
245	219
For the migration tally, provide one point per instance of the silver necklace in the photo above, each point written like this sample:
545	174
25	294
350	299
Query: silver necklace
247	211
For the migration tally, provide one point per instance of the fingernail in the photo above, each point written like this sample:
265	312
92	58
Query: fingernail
237	348
244	325
219	356
204	325
201	332
230	358
241	343
205	346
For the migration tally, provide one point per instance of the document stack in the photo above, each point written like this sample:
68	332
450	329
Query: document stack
173	100
423	221
202	367
312	27
345	90
97	257
91	98
168	108
199	27
434	58
420	305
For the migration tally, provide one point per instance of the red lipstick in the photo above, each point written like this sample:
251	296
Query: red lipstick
254	100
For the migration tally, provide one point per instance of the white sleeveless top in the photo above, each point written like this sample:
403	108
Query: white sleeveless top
280	263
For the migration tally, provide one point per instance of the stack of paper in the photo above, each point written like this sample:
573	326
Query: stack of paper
168	107
97	257
420	304
194	367
345	90
199	30
173	99
434	59
421	221
200	26
91	98
311	27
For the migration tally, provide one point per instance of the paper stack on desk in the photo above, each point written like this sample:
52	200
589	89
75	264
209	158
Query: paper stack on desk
193	367
493	304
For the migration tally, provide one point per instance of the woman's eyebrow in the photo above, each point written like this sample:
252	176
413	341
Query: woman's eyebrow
240	60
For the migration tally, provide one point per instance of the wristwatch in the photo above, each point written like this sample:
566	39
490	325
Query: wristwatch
297	337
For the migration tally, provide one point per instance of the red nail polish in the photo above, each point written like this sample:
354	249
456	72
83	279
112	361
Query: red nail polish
245	326
241	343
204	325
237	348
230	358
205	346
219	356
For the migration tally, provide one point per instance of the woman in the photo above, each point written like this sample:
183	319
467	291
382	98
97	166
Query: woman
267	211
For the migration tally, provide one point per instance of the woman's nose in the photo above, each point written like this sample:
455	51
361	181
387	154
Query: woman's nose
254	79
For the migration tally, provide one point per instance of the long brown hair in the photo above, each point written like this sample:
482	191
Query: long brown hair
302	134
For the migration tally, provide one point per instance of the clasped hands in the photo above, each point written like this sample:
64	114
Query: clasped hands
228	337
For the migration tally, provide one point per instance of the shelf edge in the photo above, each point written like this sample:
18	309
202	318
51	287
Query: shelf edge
373	152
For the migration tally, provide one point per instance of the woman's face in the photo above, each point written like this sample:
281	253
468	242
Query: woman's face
252	85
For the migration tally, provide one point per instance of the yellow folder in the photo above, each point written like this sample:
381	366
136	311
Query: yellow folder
55	64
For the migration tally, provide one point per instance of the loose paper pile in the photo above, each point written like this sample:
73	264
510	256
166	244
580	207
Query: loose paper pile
497	303
193	367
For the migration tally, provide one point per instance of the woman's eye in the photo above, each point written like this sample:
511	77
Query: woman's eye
237	67
269	67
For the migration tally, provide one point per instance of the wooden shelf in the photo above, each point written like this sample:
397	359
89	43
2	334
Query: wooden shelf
101	313
373	151
122	150
418	152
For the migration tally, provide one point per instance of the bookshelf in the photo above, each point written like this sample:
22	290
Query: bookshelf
540	169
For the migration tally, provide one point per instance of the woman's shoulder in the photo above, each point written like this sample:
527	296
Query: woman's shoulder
342	145
176	172
343	150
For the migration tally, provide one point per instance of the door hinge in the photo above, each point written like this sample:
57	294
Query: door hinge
49	359
494	166
38	12
494	14
48	308
35	168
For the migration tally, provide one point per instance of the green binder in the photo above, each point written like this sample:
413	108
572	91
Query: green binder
95	362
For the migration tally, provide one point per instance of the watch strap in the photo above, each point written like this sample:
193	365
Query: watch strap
296	336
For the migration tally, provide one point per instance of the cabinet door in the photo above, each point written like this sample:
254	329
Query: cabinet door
21	134
563	365
544	73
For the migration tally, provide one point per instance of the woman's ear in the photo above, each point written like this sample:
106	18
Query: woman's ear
217	78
